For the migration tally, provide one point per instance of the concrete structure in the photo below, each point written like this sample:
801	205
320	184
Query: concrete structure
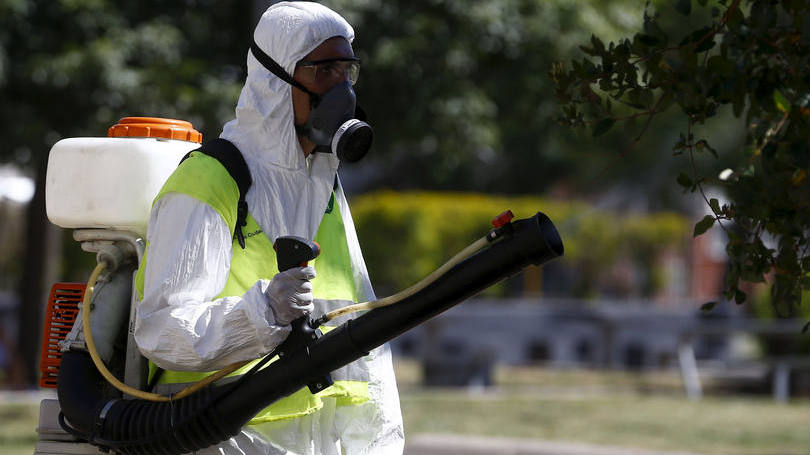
555	333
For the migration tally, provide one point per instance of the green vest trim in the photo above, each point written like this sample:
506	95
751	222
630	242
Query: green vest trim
256	261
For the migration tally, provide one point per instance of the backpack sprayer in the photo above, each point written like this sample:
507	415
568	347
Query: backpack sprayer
210	413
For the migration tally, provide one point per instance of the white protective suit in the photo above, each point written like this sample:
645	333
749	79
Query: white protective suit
180	326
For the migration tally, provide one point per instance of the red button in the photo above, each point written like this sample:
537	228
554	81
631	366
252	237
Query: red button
502	219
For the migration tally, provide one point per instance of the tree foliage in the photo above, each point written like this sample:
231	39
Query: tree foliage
752	57
457	89
458	93
74	67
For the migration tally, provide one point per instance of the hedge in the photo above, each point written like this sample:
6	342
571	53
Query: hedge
406	235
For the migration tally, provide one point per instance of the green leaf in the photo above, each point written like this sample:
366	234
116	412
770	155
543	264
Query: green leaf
649	40
703	225
603	126
735	19
684	7
639	98
739	296
702	145
598	45
708	306
588	50
698	35
720	65
666	100
781	102
679	146
707	44
715	205
684	180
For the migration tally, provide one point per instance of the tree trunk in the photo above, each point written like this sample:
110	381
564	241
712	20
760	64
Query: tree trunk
40	267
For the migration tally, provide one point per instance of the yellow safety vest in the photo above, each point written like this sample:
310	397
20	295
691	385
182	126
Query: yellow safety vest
205	179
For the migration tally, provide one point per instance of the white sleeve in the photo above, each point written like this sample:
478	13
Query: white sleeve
179	326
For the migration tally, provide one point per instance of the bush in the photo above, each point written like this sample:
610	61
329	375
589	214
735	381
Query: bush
405	236
763	307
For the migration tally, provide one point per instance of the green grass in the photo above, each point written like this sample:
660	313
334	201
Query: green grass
611	408
716	425
18	423
646	410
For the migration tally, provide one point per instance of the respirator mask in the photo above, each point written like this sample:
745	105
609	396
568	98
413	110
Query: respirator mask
335	123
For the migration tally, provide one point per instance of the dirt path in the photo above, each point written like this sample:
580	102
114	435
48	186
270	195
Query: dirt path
439	444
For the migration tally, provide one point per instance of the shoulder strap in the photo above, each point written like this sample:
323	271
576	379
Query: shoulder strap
232	160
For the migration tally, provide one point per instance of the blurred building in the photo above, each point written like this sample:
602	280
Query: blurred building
559	333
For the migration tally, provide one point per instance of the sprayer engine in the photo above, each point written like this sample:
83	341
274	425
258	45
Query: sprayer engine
103	187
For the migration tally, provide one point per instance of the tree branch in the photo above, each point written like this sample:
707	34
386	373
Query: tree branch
651	113
709	35
691	144
721	24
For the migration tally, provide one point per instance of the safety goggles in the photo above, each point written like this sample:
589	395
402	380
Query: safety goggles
333	70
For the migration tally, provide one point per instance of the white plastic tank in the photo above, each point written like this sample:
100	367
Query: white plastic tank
110	182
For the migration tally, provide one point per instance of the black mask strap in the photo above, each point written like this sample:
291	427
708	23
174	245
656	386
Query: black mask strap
276	69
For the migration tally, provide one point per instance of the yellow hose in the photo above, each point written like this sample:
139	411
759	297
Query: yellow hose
390	300
91	347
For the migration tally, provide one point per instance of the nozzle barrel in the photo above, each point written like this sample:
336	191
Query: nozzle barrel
533	241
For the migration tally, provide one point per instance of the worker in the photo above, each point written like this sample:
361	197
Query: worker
208	302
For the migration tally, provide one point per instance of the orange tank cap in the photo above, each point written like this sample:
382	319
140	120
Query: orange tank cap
165	128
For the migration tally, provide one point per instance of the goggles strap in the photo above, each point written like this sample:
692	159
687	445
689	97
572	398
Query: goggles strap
276	69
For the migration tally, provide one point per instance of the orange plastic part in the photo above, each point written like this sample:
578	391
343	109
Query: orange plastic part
165	128
61	313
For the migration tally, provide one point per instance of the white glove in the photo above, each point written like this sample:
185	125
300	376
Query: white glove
290	294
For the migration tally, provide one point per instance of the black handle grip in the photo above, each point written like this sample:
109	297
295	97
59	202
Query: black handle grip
292	251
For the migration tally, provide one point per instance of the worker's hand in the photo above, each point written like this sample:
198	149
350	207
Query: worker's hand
290	294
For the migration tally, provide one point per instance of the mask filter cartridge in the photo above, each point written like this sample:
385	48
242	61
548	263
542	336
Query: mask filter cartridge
352	140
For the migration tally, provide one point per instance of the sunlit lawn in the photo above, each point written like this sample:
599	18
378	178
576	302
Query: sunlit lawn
611	408
18	423
728	426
